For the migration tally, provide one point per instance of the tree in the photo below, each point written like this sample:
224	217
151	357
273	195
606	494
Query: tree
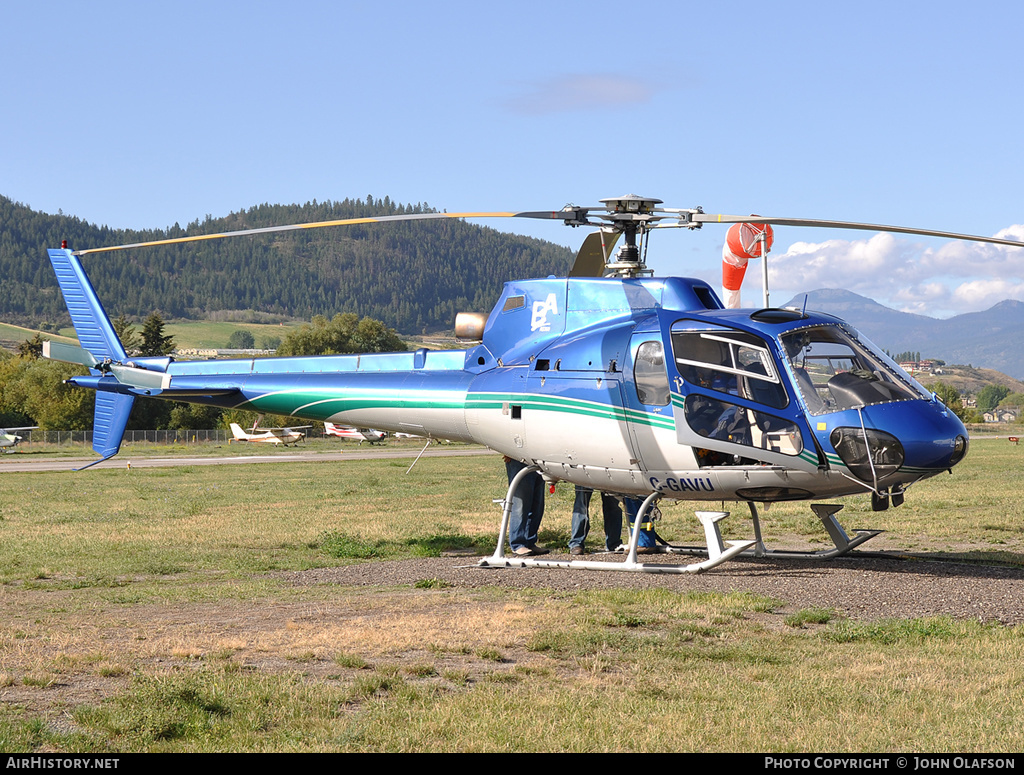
372	336
344	333
34	388
241	340
1012	399
128	335
990	396
31	348
194	416
154	341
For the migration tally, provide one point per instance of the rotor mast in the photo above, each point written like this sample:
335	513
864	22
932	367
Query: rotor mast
629	215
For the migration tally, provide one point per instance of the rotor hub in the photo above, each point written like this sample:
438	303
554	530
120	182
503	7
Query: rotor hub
629	215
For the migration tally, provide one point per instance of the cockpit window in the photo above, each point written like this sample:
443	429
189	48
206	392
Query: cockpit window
730	362
837	370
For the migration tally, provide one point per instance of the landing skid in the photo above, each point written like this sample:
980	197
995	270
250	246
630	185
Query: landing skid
826	512
716	551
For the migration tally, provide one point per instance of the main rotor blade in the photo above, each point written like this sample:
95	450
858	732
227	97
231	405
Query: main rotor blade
298	226
712	218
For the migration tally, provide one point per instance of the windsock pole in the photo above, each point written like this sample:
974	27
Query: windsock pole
765	247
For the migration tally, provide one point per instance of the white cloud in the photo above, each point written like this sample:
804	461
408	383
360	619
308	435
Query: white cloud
580	92
957	276
982	294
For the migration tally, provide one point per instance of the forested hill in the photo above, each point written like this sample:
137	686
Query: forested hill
413	276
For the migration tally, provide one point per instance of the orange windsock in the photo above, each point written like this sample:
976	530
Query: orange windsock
742	243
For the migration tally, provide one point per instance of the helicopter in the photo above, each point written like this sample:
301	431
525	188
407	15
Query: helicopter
610	378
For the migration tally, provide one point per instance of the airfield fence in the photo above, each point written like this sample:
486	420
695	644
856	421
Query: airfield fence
154	437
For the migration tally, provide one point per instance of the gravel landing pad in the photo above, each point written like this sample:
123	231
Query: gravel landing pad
861	587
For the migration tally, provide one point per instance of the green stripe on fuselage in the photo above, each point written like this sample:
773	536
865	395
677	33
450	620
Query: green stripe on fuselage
326	403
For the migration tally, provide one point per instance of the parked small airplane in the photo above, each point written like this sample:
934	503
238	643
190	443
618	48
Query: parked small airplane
283	436
356	434
8	440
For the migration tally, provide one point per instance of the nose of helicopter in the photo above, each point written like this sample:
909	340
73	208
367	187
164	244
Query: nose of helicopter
911	438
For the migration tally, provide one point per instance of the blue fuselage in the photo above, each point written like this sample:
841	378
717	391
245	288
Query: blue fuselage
627	385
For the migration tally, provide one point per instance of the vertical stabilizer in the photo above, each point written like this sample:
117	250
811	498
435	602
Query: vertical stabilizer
92	325
95	334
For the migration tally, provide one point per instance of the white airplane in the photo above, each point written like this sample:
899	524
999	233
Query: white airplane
9	439
356	434
283	436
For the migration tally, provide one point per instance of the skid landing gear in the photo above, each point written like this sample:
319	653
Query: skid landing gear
826	512
717	551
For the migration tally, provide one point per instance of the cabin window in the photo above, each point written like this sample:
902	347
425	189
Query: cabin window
649	374
731	362
726	421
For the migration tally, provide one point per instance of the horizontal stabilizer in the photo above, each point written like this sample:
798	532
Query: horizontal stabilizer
68	353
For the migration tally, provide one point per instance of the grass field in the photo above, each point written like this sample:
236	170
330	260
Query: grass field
209	334
150	610
12	333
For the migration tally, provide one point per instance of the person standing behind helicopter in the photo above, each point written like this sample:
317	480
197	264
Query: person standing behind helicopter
647	542
581	521
526	511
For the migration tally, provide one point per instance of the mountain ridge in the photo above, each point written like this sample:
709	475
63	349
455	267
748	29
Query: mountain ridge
992	338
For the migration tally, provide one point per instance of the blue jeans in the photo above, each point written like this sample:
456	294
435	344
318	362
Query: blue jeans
647	534
581	518
527	507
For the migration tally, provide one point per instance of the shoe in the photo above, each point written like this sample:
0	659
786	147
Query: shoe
539	549
576	551
524	551
647	550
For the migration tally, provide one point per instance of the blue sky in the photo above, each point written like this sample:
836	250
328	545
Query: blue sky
146	114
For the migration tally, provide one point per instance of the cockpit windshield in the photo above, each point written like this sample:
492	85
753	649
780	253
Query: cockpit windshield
835	369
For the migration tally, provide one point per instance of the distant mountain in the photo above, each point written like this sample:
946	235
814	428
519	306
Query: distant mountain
992	339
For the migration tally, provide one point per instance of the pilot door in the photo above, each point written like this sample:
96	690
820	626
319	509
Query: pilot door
731	400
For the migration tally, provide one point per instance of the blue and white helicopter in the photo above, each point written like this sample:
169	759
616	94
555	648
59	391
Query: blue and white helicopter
611	378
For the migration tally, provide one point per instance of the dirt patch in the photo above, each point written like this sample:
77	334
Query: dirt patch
383	613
